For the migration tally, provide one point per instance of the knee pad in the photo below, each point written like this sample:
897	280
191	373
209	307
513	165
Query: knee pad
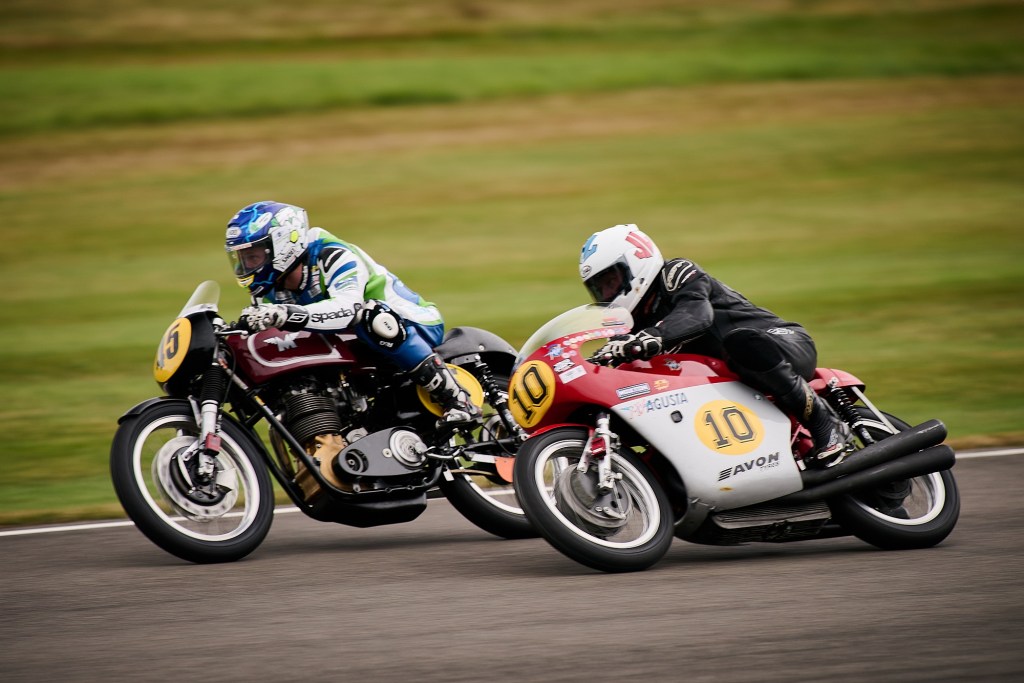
381	326
753	350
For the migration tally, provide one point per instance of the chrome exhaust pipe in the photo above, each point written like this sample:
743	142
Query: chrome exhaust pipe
932	459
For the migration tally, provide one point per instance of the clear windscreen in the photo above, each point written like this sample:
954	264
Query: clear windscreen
606	319
205	298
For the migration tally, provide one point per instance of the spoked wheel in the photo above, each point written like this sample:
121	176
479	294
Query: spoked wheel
216	511
481	487
905	514
628	528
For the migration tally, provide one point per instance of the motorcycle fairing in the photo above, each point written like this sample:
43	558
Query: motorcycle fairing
728	442
676	402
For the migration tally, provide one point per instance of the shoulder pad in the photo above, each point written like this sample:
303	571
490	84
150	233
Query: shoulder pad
330	254
678	272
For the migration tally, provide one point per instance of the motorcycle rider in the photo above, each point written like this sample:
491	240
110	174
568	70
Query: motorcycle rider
308	279
677	307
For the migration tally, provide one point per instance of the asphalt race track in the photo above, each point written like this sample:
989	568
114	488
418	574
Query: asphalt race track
438	600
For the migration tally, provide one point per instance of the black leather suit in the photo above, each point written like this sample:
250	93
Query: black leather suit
695	313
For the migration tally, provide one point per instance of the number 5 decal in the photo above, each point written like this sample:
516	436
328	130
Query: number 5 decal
728	428
172	350
531	392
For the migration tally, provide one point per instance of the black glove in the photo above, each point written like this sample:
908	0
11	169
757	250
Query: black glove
623	348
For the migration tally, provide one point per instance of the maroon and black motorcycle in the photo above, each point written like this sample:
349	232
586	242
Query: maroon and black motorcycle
352	439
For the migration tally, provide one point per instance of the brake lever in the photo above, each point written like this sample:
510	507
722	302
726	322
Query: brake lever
604	359
232	329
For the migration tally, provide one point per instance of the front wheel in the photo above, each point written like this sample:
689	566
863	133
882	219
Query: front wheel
901	515
626	529
200	518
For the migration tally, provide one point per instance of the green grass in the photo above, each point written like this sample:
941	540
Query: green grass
188	82
871	190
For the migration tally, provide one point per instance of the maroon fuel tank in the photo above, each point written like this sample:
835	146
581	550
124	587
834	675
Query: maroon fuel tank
263	356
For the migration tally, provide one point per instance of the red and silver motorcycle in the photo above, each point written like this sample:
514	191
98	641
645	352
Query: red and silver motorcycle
352	439
621	460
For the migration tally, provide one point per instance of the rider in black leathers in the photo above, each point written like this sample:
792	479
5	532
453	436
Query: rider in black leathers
679	308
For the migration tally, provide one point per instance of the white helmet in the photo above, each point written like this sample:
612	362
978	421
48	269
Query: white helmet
619	264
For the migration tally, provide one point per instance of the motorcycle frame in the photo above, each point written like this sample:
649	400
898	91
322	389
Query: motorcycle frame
234	367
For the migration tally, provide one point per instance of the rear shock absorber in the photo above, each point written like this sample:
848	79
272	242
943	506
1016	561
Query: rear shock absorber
844	407
497	398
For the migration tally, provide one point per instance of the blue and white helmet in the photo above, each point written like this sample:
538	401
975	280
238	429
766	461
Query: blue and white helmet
618	265
264	242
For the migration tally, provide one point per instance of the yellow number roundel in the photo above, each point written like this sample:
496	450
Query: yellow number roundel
531	392
172	350
728	428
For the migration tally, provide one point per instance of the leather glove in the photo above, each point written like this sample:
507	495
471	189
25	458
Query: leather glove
265	316
628	347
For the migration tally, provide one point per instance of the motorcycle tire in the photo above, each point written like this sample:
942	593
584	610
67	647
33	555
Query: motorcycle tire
558	500
484	498
908	514
192	524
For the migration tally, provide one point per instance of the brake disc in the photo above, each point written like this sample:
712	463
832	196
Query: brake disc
598	513
198	503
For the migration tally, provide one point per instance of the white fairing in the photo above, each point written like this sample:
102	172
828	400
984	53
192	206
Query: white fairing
729	443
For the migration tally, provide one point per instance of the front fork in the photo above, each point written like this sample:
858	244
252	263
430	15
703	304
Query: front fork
601	443
207	411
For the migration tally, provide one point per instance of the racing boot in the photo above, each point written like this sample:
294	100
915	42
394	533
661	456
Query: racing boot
434	376
794	395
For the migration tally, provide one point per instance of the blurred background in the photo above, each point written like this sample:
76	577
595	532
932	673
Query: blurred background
857	166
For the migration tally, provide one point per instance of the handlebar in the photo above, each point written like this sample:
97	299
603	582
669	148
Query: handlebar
230	329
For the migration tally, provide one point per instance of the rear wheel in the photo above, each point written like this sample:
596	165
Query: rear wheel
480	486
901	515
220	517
626	529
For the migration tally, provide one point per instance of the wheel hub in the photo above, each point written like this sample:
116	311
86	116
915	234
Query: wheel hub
199	500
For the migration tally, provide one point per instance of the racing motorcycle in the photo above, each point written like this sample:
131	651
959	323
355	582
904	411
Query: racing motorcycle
352	440
622	459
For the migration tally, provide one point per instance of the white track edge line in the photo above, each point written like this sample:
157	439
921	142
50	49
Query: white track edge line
966	455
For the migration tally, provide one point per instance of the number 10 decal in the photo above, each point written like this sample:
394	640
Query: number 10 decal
728	428
531	392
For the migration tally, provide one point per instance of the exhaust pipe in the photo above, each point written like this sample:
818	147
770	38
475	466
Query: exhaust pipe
922	436
932	459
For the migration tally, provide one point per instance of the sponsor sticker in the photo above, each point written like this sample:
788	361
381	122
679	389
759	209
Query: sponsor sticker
633	390
655	403
571	374
563	365
261	220
762	463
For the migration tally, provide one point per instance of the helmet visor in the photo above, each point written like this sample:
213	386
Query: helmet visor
609	283
250	258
